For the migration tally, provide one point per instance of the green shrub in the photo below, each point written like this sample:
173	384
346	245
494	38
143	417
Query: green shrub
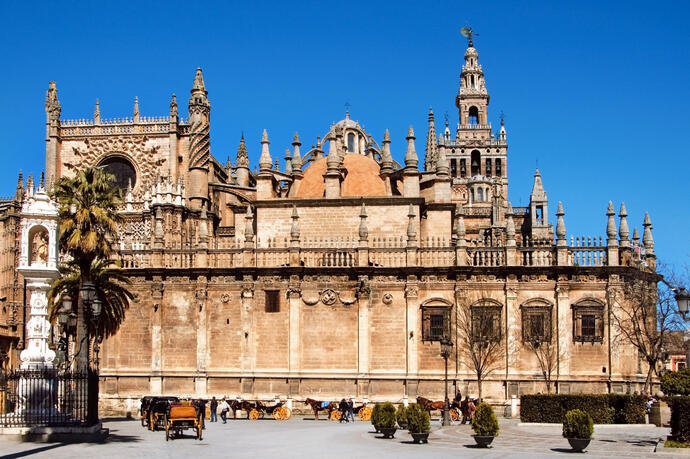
401	416
484	422
375	414
603	408
676	382
417	419
680	418
578	424
387	415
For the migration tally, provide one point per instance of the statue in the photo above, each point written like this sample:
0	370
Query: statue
39	247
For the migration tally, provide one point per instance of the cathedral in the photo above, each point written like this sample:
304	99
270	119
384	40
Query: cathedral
343	271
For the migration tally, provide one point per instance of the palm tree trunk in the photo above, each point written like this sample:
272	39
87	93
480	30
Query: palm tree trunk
81	358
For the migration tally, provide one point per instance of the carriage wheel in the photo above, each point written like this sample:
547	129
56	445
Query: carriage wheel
167	428
335	415
285	413
364	413
454	416
254	414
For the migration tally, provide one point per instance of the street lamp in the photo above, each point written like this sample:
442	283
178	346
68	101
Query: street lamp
446	350
683	300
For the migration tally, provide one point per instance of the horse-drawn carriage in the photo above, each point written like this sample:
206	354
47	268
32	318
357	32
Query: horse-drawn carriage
153	409
333	409
278	410
430	405
180	417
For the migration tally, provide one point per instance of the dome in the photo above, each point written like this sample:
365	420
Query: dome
348	123
471	51
361	178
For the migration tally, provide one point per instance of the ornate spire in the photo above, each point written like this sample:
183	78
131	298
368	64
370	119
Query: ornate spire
611	225
411	154
294	231
411	230
242	157
198	86
386	158
647	239
442	168
288	161
538	192
199	118
19	194
52	104
42	183
135	114
97	113
249	227
560	225
265	161
296	157
199	106
623	231
460	225
173	107
363	230
636	237
430	154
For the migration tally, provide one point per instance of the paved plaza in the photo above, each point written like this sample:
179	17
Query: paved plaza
304	437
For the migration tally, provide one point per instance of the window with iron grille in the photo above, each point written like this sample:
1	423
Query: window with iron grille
435	323
486	323
536	323
272	301
588	322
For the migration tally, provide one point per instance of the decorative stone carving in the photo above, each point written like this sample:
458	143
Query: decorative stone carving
411	291
387	298
329	296
143	154
225	298
293	291
310	299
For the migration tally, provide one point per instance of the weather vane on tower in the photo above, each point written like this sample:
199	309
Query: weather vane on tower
468	33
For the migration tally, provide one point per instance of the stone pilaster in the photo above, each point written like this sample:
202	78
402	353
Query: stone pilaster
562	332
363	337
156	382
246	338
201	299
412	308
294	295
512	325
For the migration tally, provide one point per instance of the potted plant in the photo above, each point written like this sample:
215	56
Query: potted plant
401	416
418	423
485	425
375	414
578	428
387	420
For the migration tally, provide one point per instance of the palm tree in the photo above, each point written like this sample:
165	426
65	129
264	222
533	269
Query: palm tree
87	209
111	288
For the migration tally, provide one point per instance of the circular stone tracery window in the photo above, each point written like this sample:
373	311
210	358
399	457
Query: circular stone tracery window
122	169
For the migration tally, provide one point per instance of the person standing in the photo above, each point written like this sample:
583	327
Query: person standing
224	408
214	409
351	409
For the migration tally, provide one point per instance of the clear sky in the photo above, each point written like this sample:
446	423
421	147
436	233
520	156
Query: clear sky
596	93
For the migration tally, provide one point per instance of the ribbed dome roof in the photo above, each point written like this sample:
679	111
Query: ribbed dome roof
361	178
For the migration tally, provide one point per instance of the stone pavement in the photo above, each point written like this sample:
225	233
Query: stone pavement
303	437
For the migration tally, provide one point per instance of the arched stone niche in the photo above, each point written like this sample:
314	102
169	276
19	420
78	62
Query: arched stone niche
39	245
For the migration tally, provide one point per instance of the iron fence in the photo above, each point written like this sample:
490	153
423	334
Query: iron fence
48	397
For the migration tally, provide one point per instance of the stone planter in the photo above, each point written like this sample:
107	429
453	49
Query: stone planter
483	441
420	437
579	444
388	432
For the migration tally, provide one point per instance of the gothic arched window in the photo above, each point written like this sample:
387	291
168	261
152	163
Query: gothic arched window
480	195
474	162
122	169
351	143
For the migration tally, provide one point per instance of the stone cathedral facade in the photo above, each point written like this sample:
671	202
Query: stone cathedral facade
339	273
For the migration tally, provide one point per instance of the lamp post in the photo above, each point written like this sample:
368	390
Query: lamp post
446	350
683	302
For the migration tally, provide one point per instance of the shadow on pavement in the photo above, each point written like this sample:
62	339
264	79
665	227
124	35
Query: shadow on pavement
116	438
565	450
475	446
29	452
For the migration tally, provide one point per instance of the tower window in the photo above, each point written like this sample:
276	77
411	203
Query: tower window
453	167
122	169
488	167
351	143
499	172
474	114
480	195
463	167
539	212
475	161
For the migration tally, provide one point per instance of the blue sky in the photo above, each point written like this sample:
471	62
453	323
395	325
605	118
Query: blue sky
596	93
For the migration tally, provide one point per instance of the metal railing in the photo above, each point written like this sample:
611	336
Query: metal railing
48	397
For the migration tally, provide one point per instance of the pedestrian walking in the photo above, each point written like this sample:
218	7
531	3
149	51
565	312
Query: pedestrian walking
351	409
214	409
224	408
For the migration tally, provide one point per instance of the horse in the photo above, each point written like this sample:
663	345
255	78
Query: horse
430	405
317	405
240	405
